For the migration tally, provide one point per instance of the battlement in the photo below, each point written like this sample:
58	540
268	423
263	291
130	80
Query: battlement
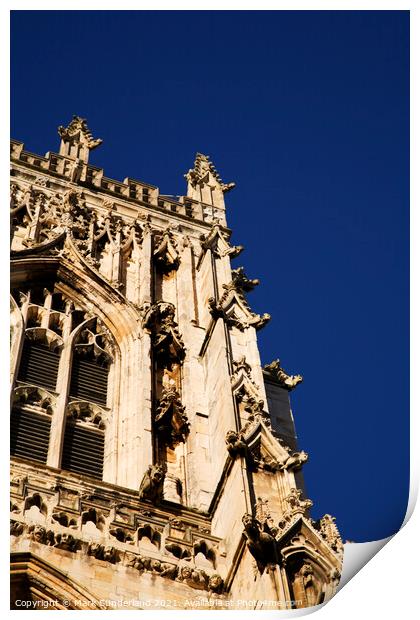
73	170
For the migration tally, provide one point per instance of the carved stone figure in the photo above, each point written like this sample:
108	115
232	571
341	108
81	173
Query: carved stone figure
151	487
235	444
16	528
41	535
295	461
67	542
261	545
96	550
170	420
168	570
215	584
279	375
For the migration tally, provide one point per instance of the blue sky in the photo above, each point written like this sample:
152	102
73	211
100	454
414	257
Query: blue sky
308	112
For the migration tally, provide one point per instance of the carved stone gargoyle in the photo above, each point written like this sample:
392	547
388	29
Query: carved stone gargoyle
170	420
261	544
236	446
295	461
280	376
151	486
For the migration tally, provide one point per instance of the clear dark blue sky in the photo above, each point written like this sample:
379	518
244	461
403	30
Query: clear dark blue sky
309	113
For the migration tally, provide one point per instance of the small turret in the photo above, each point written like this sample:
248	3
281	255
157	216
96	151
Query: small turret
205	184
77	140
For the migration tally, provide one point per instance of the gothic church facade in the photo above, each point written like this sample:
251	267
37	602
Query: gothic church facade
154	460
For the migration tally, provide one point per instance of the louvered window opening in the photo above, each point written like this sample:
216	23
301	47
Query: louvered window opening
29	435
89	381
83	451
39	365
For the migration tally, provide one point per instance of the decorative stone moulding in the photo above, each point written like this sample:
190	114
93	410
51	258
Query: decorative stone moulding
87	413
65	515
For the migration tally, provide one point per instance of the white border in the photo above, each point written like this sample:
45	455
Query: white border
386	586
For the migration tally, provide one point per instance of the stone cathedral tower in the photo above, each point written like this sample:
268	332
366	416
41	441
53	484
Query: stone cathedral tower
154	461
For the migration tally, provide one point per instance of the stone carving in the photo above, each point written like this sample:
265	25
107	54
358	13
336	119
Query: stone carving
95	341
36	500
296	507
329	531
243	386
87	413
295	501
64	519
215	584
168	570
217	242
279	375
263	515
95	516
151	487
197	578
32	396
241	282
159	319
234	309
40	534
294	461
170	419
193	577
77	139
166	255
203	172
261	545
208	552
102	552
146	530
67	542
235	444
178	550
16	528
121	534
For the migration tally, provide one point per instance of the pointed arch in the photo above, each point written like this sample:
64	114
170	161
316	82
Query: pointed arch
37	584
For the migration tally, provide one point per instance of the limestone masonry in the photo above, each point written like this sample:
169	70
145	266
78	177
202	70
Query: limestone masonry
154	461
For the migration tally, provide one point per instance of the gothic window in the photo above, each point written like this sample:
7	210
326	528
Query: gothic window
90	367
30	423
39	364
83	450
61	351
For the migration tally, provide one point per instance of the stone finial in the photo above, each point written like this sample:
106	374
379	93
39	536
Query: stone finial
205	184
77	139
